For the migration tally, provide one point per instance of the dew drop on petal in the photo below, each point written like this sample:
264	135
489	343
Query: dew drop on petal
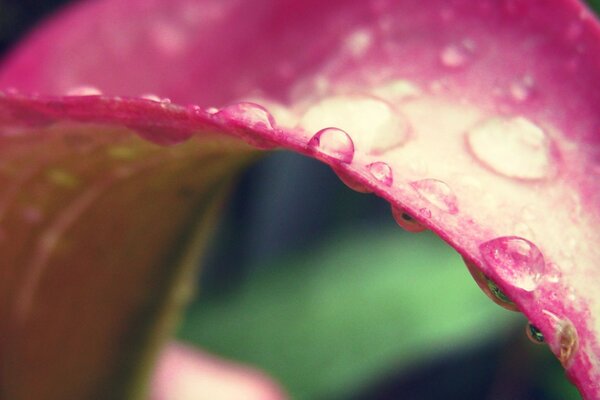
406	221
516	260
350	181
84	91
513	147
567	341
334	143
456	55
437	193
534	334
155	98
382	172
250	114
374	123
520	89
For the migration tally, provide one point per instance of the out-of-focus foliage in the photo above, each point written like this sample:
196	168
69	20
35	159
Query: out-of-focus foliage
329	321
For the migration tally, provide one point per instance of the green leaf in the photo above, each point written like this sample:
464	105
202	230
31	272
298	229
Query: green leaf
328	322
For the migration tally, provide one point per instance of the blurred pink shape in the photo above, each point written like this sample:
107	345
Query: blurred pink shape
186	373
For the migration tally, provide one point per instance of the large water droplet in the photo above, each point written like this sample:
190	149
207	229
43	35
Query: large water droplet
407	221
513	147
514	259
250	114
457	55
375	124
437	193
334	143
382	172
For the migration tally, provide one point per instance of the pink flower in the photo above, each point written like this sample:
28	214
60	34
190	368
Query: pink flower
477	120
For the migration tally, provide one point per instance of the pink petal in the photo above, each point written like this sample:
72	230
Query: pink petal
185	373
485	113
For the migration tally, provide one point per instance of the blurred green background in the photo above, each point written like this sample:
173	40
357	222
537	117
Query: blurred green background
316	285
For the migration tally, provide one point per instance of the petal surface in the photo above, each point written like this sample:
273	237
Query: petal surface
479	121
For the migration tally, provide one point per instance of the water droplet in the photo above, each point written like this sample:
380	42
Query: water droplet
212	110
406	221
334	143
515	260
358	42
155	98
567	341
84	91
250	114
457	55
382	172
351	182
490	288
375	124
521	89
513	147
534	334
437	193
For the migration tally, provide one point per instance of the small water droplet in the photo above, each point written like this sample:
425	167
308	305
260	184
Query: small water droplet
212	110
155	98
534	334
334	143
374	123
84	91
514	259
490	288
457	55
521	89
437	193
382	172
406	221
513	147
351	182
567	341
253	115
358	42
